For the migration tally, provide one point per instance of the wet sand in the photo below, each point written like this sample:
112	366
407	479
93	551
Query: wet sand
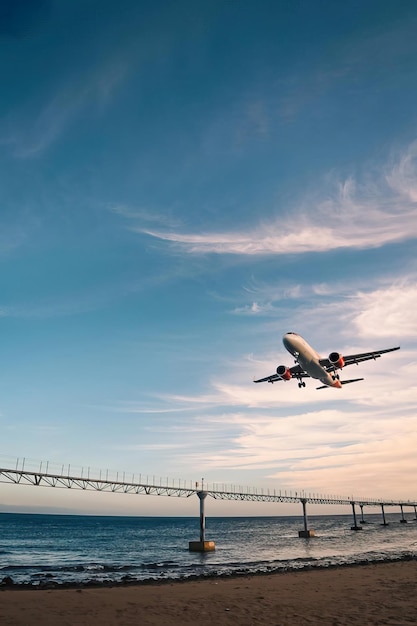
384	593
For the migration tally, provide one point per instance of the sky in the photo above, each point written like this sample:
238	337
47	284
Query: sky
180	185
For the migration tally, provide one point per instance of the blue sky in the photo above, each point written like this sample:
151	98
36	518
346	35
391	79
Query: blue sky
180	185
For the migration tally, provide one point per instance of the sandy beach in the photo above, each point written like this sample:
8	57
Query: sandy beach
384	593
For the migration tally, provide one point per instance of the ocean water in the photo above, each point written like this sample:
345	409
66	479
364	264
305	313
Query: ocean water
71	549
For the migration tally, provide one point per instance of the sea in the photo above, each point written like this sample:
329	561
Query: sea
54	550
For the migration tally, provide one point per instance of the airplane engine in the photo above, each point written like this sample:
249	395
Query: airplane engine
337	360
283	372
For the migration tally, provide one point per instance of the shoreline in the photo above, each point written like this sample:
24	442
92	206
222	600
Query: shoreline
8	584
355	594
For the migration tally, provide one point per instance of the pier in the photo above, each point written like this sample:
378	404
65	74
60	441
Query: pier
22	472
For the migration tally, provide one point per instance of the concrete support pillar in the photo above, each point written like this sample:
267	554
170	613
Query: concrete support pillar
402	520
202	496
305	534
202	545
415	512
355	524
362	520
384	522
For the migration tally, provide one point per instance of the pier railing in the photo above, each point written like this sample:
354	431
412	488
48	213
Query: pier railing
23	471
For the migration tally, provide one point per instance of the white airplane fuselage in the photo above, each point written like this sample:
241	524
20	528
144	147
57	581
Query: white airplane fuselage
309	359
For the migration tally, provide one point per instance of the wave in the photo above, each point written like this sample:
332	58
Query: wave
85	567
177	569
47	579
160	565
96	572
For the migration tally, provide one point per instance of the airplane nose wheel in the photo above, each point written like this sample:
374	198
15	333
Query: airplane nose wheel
301	384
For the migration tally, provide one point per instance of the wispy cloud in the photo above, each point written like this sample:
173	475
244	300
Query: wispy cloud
29	139
387	312
140	408
255	308
384	462
403	175
142	214
363	215
150	447
265	297
355	306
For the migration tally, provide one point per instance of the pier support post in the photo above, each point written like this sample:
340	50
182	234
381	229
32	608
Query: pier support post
362	520
355	525
402	520
415	512
384	522
202	545
305	534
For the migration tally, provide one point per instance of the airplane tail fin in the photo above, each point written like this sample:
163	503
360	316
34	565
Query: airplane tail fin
343	382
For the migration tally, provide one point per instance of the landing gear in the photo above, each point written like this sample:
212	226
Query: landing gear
301	384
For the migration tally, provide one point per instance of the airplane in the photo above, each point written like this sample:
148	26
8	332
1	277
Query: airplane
310	364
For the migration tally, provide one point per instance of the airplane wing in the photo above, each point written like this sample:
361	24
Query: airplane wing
350	359
296	372
344	382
